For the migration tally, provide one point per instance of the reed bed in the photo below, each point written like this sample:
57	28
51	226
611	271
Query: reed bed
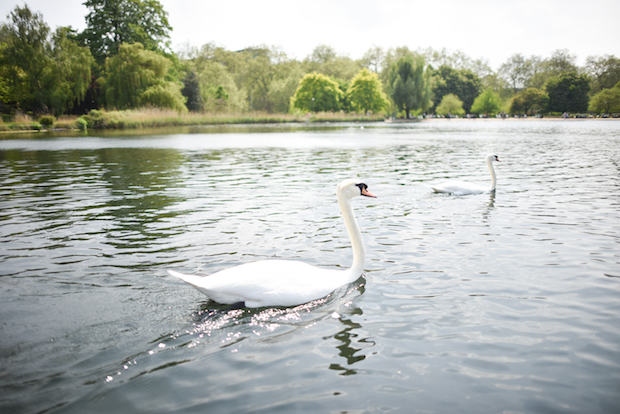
157	117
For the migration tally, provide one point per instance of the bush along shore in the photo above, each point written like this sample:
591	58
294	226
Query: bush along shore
154	117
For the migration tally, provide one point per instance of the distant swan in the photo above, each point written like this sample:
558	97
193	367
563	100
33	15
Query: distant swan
285	282
463	188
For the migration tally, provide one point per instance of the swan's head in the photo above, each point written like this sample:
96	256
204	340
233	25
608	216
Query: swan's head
492	158
353	188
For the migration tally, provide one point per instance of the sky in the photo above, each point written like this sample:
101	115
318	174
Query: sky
491	30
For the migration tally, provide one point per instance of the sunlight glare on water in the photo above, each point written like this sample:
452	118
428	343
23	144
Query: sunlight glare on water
496	302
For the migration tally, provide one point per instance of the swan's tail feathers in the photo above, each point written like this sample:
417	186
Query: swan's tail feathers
193	280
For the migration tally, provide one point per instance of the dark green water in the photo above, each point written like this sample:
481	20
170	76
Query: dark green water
491	303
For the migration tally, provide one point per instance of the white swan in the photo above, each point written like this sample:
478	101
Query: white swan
463	188
285	282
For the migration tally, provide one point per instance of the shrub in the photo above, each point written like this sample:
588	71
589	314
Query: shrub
95	119
81	124
47	121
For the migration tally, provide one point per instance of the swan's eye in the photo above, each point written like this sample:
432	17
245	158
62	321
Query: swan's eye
362	187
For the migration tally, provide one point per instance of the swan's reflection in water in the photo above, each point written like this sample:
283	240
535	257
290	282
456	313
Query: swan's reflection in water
489	206
491	200
347	349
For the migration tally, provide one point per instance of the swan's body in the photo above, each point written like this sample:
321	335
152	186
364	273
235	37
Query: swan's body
286	282
464	188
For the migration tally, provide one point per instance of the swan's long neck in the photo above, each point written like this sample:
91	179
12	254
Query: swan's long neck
359	252
493	179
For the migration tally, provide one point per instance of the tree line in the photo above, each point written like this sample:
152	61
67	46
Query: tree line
123	60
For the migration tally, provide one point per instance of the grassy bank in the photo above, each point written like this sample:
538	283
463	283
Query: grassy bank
153	117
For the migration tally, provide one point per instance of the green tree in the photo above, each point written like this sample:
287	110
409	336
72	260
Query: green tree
316	93
560	62
456	60
604	72
366	94
212	76
529	100
606	101
462	83
284	85
25	61
325	60
137	77
191	91
373	59
488	102
71	70
516	71
410	84
40	75
263	77
111	23
450	105
262	67
568	92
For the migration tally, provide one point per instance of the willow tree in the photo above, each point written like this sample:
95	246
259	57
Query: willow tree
71	71
410	84
41	75
137	77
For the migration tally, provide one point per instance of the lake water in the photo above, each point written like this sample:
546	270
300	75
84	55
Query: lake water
492	303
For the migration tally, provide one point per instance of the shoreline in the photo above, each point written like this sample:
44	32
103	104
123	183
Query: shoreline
320	121
528	119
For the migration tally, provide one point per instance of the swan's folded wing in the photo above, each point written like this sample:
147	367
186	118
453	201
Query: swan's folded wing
458	188
266	283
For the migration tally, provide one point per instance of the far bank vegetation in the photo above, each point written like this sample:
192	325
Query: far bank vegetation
113	75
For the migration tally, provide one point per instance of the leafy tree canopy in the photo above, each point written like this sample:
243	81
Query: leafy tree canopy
373	59
191	91
450	105
110	23
41	75
457	60
365	93
462	83
410	84
317	93
560	62
322	54
137	77
528	100
604	71
25	61
325	60
568	92
517	71
606	101
212	76
265	76
71	71
488	102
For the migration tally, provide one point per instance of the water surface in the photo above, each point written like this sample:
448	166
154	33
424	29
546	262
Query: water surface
504	302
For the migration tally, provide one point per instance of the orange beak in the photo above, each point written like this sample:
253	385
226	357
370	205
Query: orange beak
368	193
